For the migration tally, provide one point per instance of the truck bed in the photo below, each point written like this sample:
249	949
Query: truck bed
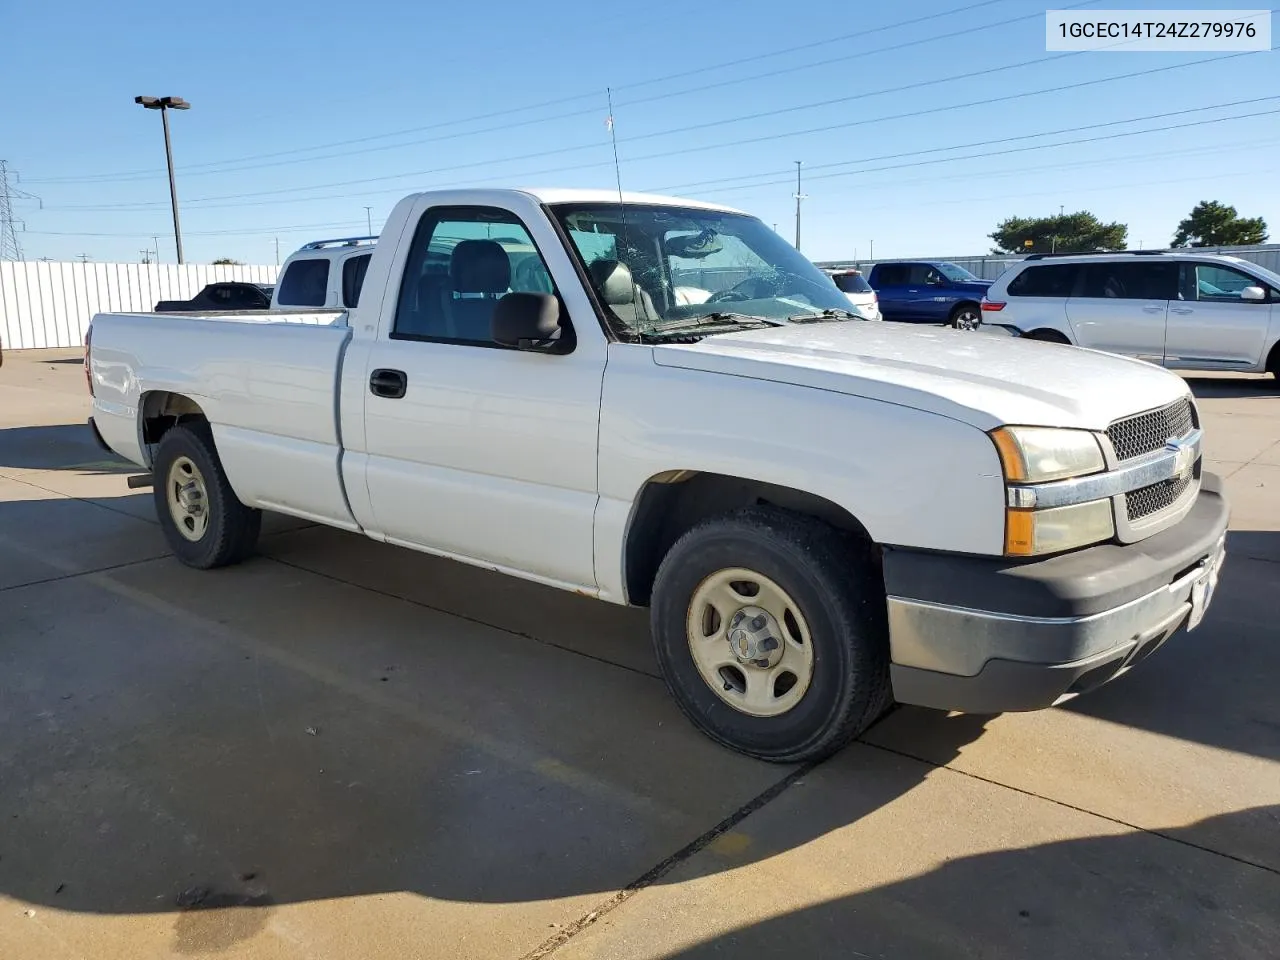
267	383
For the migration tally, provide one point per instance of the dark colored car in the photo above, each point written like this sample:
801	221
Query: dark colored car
227	295
929	291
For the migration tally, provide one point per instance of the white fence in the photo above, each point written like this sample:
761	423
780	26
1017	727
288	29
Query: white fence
48	304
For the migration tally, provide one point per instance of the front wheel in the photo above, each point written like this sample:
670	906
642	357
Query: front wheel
967	316
204	522
770	632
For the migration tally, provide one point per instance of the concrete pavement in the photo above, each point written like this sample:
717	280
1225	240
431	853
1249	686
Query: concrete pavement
343	749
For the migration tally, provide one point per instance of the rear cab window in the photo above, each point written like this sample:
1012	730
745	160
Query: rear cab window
353	271
305	283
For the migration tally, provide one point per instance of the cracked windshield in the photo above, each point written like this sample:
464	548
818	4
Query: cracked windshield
662	269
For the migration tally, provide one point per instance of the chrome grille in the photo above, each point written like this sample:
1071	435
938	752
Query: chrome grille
1145	501
1134	436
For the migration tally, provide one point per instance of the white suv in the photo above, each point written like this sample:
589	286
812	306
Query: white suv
326	274
1186	311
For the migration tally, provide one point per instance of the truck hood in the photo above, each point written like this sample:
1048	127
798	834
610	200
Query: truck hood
981	378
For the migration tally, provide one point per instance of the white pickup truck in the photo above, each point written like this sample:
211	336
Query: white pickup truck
660	402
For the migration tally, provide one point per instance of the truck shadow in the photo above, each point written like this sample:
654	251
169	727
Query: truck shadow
63	446
1112	896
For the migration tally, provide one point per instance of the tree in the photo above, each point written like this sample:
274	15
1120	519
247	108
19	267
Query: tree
226	262
1079	232
1213	224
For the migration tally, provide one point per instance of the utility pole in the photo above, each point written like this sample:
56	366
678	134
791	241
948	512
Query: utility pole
873	249
146	256
799	197
84	258
156	247
164	105
277	251
368	220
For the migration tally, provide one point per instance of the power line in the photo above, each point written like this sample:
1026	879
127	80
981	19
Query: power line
986	101
998	153
200	169
725	181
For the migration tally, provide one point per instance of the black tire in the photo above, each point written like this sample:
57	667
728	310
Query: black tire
965	316
232	531
839	591
1047	336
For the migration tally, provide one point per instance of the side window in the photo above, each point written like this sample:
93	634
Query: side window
892	274
462	261
1056	280
921	274
1221	284
851	283
305	283
353	271
1131	281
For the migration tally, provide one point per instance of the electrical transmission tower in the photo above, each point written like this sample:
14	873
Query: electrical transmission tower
10	249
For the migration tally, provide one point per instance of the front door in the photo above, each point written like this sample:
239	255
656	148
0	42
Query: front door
489	454
1121	306
1211	325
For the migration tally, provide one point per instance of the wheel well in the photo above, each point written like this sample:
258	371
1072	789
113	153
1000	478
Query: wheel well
1273	360
672	502
965	303
162	410
1047	336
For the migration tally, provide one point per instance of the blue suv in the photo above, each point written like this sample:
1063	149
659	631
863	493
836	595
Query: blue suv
929	291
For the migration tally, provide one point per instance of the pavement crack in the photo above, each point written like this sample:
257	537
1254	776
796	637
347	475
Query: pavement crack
661	869
73	575
1244	861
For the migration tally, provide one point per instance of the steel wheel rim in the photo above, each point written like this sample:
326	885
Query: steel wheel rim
188	499
732	616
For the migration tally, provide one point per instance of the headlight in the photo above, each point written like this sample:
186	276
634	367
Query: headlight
1030	455
1040	454
1029	533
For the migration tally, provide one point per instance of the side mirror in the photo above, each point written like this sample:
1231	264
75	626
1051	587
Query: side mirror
1253	293
526	321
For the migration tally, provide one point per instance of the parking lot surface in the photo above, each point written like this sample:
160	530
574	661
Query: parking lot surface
341	749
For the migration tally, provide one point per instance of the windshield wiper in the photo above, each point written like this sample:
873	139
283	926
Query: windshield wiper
828	314
717	319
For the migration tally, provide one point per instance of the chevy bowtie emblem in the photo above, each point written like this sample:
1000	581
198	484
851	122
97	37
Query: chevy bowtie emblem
1184	456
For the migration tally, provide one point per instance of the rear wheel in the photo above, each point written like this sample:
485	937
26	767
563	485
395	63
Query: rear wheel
966	316
204	522
770	631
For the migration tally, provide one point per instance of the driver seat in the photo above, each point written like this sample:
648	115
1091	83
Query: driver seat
629	302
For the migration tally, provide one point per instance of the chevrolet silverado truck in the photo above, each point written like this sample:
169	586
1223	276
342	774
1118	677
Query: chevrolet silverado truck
672	408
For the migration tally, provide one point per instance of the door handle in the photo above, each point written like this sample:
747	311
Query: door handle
391	384
1153	309
1182	310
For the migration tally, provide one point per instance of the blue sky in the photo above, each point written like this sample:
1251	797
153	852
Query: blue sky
293	104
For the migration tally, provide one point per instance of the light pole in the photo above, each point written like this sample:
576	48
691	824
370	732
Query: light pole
164	105
799	197
368	220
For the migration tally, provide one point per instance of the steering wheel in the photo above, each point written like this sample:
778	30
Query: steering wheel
733	294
